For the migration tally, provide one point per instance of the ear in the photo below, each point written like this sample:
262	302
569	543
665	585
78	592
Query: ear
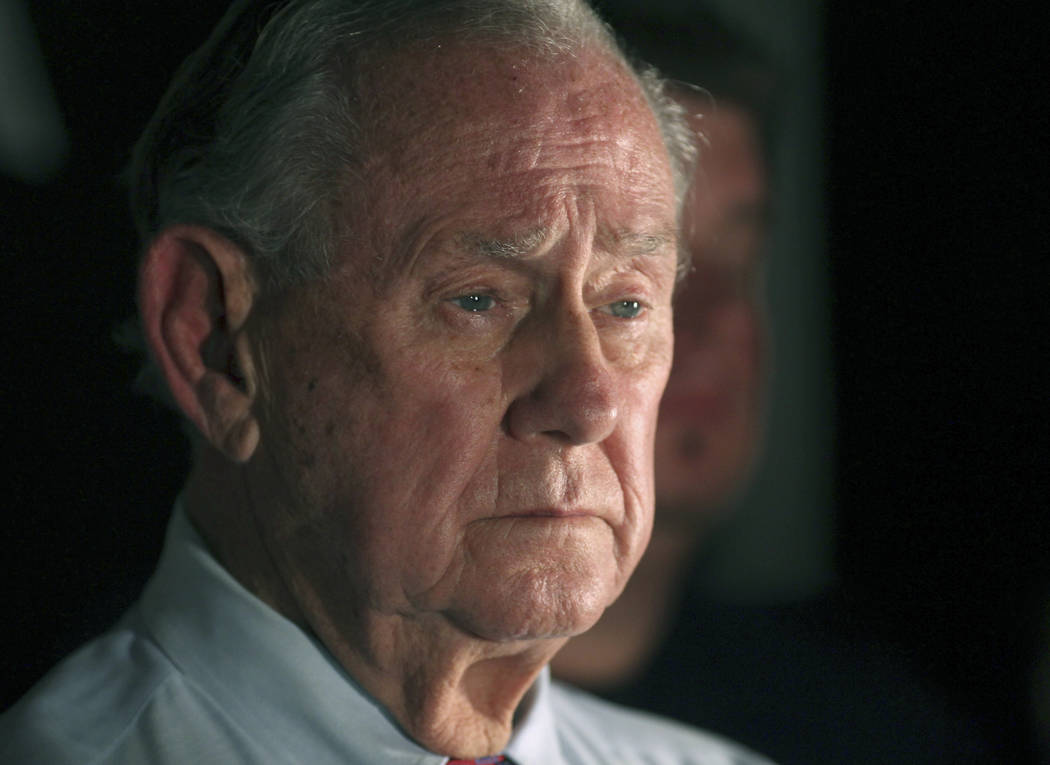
195	295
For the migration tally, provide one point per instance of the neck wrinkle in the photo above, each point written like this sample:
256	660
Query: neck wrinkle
451	692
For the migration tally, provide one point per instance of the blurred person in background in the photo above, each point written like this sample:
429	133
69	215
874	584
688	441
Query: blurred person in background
711	413
783	677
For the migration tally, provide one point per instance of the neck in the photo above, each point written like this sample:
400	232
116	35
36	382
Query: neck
451	692
616	650
453	695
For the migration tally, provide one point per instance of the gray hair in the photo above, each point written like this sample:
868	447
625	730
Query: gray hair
261	127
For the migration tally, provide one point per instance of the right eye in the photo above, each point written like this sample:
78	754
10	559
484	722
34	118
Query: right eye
475	303
625	309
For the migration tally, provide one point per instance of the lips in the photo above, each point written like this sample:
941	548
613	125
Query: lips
554	512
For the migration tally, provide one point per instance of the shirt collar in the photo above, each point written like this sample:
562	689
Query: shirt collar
279	683
534	741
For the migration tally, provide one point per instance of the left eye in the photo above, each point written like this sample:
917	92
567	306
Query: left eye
475	303
625	309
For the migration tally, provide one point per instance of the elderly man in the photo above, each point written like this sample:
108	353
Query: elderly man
408	274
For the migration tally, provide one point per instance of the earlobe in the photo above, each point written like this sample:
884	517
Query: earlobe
195	296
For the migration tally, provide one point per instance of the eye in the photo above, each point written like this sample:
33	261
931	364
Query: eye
475	303
625	309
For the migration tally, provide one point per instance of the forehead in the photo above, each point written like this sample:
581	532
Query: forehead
436	88
508	136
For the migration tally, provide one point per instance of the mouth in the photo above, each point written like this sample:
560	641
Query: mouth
552	512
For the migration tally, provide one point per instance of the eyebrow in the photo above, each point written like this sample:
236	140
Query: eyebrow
501	249
632	243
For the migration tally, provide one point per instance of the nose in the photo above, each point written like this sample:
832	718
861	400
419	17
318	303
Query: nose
569	391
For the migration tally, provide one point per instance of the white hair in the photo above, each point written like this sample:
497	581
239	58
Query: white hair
261	126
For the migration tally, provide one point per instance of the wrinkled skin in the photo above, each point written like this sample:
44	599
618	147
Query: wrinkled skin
457	425
437	459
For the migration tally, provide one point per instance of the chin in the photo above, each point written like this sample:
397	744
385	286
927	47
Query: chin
548	601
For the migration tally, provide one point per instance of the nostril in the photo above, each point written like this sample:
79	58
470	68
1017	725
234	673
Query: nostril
594	422
566	407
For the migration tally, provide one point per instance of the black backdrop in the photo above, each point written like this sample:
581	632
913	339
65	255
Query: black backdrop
939	283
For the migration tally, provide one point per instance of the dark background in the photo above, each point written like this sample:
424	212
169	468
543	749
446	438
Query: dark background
939	281
939	274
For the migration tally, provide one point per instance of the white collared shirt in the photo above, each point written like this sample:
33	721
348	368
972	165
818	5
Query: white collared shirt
201	671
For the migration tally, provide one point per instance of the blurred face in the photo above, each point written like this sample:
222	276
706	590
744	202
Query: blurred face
458	423
710	415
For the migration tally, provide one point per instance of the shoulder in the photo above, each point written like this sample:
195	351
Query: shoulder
109	702
82	707
597	730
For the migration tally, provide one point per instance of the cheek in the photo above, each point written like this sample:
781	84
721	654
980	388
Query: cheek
396	472
651	390
432	452
633	451
642	394
434	443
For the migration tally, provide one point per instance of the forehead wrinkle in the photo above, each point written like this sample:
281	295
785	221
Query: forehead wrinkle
559	143
542	134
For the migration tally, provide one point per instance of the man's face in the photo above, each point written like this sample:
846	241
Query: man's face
458	423
711	413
